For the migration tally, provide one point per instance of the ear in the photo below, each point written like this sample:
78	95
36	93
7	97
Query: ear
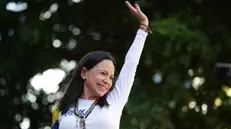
83	73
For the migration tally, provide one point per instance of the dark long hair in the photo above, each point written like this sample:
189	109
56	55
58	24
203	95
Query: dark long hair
74	83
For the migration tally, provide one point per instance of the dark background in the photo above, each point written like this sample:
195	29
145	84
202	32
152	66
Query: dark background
182	80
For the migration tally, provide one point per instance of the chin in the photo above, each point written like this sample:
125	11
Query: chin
101	94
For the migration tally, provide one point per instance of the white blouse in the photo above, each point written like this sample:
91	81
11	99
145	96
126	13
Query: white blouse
109	118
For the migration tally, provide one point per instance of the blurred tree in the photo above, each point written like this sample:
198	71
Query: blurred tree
175	86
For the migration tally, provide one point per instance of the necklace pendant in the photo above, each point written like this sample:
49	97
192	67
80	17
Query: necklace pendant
82	123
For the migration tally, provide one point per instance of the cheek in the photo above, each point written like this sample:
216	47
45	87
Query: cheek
94	79
98	78
111	85
90	81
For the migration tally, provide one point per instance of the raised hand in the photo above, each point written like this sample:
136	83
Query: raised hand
135	10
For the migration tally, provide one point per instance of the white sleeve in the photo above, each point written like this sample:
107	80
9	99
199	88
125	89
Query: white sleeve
119	95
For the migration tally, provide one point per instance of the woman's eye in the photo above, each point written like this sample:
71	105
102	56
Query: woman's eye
103	73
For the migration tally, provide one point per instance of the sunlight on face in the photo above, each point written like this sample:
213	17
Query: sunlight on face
99	79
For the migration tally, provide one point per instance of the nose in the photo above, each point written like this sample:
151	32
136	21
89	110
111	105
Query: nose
105	81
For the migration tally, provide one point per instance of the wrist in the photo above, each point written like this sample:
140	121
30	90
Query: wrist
145	28
145	23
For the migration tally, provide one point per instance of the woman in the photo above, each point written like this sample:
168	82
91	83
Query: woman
93	99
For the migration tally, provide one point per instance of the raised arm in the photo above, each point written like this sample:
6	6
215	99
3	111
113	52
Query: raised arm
119	95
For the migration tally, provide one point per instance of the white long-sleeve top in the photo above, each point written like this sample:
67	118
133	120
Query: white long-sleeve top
109	118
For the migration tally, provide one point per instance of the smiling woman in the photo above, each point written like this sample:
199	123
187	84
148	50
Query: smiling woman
98	80
93	99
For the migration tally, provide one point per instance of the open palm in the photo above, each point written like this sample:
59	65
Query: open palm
135	10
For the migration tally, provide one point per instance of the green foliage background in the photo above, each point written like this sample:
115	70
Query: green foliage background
189	36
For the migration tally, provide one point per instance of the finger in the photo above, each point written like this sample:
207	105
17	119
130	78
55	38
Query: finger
130	7
137	7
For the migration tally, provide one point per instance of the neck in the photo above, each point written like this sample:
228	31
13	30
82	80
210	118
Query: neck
84	96
87	94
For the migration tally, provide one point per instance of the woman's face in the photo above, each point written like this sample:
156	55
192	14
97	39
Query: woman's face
99	79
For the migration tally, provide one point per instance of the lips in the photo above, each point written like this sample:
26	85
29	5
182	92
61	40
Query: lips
102	86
